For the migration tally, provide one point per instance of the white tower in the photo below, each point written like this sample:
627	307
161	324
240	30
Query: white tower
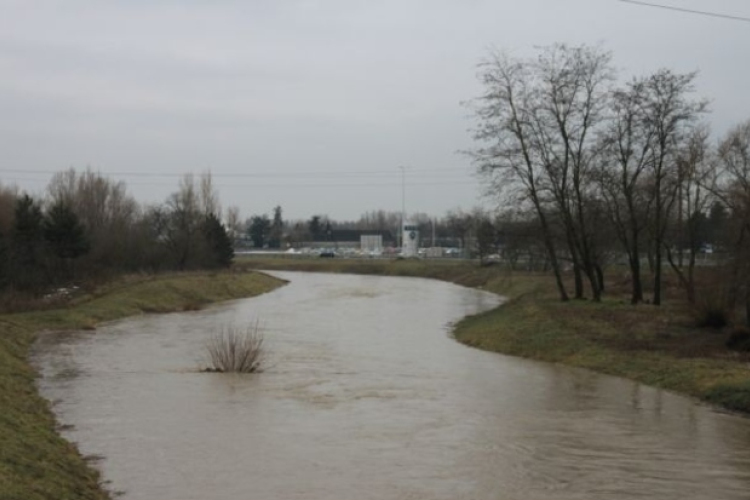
410	240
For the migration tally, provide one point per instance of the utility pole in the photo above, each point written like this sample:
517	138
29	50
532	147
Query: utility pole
403	206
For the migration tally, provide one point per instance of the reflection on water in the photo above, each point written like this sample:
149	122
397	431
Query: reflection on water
365	396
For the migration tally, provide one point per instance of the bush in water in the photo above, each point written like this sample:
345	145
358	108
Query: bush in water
234	350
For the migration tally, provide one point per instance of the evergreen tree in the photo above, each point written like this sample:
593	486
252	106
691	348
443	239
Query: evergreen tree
27	270
315	226
260	227
66	239
64	233
220	247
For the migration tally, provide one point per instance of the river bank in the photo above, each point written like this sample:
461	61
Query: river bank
658	346
363	382
35	462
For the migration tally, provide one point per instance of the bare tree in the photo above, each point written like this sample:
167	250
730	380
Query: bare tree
733	189
538	118
669	112
209	197
183	222
574	95
379	220
509	160
639	178
695	174
459	225
276	231
628	143
233	222
733	186
107	212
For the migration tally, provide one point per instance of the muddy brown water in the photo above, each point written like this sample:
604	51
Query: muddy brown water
366	396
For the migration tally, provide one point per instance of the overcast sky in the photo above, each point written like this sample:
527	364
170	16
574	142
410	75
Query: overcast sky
308	104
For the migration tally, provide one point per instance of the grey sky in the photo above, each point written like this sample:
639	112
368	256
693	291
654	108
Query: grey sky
308	104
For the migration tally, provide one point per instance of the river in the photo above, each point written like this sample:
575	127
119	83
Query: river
364	395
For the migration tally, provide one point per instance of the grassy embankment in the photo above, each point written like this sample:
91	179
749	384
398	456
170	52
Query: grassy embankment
35	462
659	346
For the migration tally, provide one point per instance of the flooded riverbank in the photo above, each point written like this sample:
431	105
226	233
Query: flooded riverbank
364	395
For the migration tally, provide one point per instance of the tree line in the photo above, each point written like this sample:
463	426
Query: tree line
605	169
87	227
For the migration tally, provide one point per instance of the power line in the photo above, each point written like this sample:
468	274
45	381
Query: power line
689	11
217	175
363	184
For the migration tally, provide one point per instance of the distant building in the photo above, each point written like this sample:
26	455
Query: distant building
371	243
353	238
410	239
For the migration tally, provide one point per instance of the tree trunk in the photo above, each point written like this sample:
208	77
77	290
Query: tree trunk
550	246
634	261
686	280
553	257
634	257
594	282
651	261
576	260
558	275
578	280
661	222
657	275
691	276
636	296
600	277
596	288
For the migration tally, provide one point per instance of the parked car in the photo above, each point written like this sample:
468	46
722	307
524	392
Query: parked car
328	253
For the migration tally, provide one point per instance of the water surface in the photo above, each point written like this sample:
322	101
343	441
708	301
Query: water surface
366	396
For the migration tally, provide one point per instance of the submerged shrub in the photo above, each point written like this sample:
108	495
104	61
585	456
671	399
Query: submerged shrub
235	350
